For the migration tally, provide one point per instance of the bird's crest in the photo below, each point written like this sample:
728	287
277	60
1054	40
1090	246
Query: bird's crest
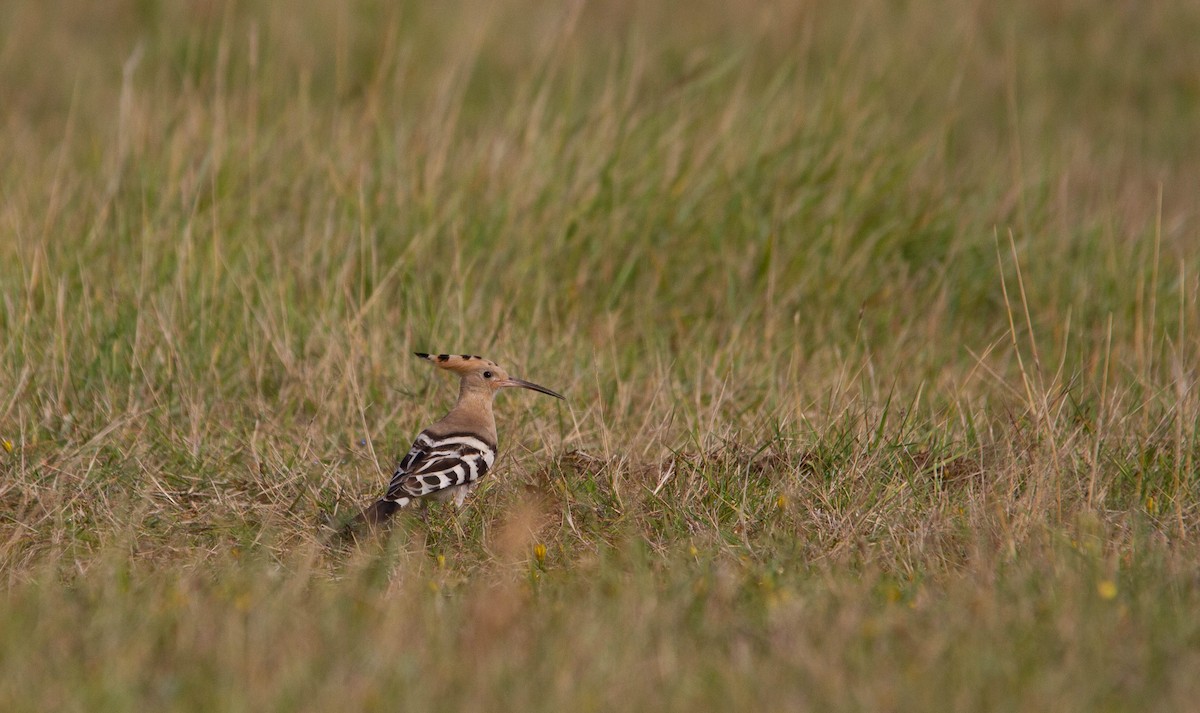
461	363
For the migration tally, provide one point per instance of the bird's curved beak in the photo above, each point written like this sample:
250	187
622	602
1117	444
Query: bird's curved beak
532	387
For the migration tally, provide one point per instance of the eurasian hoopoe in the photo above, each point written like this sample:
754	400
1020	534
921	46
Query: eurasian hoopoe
448	458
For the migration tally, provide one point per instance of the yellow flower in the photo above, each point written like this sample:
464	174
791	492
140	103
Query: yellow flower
441	560
1151	505
8	446
781	501
1107	589
539	553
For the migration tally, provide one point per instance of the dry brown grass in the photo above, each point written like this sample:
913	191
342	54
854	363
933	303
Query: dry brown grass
878	325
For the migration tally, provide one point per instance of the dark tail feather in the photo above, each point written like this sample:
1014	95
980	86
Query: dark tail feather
379	513
375	516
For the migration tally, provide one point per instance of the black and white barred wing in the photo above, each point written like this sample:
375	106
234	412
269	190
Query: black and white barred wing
439	462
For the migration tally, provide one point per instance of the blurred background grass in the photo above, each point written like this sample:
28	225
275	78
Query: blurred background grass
878	324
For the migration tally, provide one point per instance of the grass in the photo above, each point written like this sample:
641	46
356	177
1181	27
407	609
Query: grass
878	324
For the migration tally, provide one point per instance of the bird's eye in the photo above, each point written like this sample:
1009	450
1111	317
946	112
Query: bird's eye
487	374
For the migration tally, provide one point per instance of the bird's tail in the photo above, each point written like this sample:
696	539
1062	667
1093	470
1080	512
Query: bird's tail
380	512
374	517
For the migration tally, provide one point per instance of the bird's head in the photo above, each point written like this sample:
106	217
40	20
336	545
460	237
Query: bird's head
482	375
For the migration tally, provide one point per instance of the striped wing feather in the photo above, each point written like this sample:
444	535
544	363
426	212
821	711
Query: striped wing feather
438	462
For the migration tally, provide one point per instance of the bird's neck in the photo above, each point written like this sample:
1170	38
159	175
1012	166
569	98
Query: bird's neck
473	414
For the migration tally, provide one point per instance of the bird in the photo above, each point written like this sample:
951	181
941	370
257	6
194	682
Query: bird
448	458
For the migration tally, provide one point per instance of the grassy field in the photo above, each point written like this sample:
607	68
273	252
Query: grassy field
878	323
